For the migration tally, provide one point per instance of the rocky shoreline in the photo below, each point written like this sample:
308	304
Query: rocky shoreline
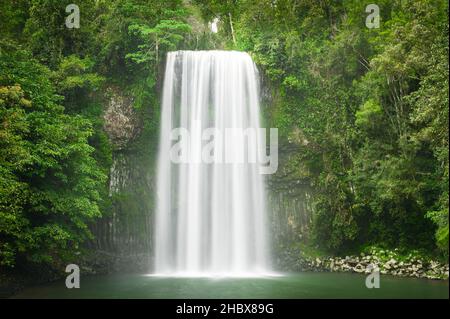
387	262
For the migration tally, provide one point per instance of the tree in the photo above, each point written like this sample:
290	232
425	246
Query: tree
49	189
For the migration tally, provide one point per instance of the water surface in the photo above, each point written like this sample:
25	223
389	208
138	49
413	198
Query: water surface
298	285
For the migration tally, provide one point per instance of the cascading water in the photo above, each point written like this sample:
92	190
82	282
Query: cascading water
210	217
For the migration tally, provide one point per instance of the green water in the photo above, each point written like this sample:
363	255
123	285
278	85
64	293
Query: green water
299	285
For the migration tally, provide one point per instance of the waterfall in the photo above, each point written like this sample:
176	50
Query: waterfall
211	216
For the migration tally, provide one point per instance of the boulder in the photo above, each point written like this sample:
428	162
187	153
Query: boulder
121	122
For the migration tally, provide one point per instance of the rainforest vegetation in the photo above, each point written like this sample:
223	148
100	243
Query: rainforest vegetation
364	110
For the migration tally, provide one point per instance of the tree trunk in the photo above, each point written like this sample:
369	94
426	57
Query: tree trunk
232	29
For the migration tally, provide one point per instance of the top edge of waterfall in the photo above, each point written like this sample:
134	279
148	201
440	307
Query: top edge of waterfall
215	50
208	51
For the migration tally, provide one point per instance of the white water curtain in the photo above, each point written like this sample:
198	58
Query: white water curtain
210	217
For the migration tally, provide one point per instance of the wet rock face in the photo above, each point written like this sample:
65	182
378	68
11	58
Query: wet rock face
121	122
103	262
122	237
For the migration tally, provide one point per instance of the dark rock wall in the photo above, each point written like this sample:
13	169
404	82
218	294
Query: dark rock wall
123	236
288	191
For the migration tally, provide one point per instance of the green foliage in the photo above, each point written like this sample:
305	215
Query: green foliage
13	15
73	73
163	37
367	115
48	37
49	181
75	80
400	255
